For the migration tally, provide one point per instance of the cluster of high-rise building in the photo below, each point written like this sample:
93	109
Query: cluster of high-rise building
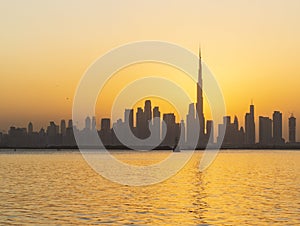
194	132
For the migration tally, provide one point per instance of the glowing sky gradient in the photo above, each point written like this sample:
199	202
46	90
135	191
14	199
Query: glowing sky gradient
252	47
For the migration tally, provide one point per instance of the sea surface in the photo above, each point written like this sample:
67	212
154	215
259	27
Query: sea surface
239	188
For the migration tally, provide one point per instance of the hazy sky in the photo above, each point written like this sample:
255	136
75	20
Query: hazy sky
252	47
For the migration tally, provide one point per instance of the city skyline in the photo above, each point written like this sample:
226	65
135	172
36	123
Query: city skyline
270	130
236	135
150	112
252	57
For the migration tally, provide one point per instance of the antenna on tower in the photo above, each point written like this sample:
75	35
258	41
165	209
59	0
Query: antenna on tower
199	50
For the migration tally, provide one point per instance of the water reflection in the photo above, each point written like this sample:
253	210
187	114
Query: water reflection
239	188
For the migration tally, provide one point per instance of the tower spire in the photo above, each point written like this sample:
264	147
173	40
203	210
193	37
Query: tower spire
199	50
199	104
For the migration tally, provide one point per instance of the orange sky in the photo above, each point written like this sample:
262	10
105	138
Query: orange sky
251	47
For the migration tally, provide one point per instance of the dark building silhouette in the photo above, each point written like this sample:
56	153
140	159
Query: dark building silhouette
63	129
30	128
181	133
140	124
265	130
171	129
117	126
148	111
292	129
70	139
53	134
128	118
105	132
143	118
199	105
277	128
156	124
88	123
94	123
17	136
234	136
210	131
191	131
105	124
250	127
70	123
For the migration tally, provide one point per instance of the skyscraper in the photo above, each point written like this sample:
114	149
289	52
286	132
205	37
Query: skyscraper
181	133
105	124
277	128
140	123
148	112
265	130
70	123
250	126
169	129
128	118
30	128
199	104
88	123
94	123
292	129
156	124
105	132
210	131
63	127
191	132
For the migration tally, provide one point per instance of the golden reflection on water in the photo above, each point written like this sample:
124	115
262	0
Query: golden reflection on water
240	187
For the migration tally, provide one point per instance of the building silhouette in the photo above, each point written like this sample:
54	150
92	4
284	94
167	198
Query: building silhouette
88	123
250	127
199	105
30	128
265	131
194	132
105	132
191	130
94	123
234	136
277	128
63	129
156	125
128	118
141	124
210	131
170	129
292	129
53	134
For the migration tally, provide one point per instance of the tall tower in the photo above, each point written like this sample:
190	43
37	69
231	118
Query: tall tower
88	123
30	128
128	118
156	124
277	127
250	126
292	129
63	127
94	123
199	104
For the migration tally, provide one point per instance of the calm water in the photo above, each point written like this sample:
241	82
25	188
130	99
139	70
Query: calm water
240	187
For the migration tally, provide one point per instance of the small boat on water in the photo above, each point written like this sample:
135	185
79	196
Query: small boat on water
176	148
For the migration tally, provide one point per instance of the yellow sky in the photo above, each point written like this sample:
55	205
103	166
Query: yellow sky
252	48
